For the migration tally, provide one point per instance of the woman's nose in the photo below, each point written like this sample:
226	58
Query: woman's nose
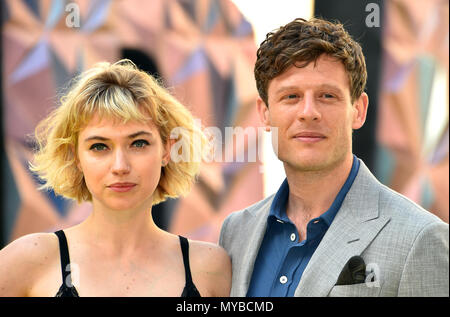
120	164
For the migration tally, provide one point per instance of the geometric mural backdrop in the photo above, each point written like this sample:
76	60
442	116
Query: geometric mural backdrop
413	129
203	50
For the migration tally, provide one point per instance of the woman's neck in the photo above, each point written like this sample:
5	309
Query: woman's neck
120	231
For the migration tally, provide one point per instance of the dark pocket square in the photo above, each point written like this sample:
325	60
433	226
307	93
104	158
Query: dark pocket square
354	272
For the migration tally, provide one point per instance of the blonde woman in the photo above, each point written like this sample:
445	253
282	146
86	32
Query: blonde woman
109	142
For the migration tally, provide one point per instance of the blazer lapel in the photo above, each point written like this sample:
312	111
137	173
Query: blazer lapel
257	224
356	224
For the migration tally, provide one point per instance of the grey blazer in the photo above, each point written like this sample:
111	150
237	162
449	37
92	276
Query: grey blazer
405	248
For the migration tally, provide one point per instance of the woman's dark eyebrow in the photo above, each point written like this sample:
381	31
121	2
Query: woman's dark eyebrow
134	135
95	137
131	136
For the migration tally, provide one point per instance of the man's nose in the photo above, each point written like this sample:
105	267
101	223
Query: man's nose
308	110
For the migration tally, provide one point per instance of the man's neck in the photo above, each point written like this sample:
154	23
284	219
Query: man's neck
312	193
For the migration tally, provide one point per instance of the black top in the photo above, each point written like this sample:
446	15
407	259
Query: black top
68	290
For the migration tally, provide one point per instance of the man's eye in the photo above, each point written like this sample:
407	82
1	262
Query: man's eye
98	147
328	96
140	143
291	96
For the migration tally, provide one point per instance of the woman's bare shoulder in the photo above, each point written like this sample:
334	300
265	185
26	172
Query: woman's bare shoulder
211	265
30	245
23	259
209	251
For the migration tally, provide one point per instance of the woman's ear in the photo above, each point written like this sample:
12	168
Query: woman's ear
360	111
75	156
166	151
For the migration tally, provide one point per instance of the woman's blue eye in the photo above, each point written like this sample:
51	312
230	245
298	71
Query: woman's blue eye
140	143
98	147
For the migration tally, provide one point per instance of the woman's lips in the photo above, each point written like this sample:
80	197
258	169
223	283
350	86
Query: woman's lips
122	187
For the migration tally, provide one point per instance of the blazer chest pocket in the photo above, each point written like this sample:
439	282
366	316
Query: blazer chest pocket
355	290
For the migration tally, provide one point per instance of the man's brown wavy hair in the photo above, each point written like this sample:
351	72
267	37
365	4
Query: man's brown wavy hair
300	42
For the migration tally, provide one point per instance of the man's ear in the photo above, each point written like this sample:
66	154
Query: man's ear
263	111
360	111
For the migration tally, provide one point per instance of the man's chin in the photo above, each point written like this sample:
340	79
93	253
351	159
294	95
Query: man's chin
312	165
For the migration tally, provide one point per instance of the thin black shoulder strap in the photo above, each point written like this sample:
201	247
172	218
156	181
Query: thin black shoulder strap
65	259
185	250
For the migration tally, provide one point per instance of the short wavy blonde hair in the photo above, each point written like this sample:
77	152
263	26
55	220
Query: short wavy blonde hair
124	92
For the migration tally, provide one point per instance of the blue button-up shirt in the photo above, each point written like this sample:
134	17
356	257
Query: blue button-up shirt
281	259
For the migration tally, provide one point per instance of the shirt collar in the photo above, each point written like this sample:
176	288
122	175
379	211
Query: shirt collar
278	207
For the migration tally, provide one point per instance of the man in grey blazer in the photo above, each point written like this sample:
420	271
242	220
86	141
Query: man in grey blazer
331	229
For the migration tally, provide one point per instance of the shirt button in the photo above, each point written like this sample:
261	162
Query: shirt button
283	279
292	236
